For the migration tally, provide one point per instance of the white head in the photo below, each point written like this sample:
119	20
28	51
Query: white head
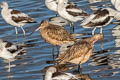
4	5
51	70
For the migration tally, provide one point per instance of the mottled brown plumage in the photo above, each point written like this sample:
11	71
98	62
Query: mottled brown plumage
54	34
80	52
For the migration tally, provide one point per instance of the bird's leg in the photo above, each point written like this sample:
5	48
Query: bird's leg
102	39
57	51
16	34
101	30
23	33
9	66
93	31
53	53
71	27
79	68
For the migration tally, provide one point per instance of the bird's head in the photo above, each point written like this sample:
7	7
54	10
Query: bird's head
51	70
4	5
43	24
95	38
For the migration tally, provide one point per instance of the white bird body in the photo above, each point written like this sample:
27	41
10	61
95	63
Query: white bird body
15	17
7	17
52	74
9	51
58	21
52	4
70	11
116	4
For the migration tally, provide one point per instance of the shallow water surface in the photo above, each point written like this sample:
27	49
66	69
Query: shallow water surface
103	65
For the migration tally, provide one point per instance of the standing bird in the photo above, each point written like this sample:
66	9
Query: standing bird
15	17
70	12
100	18
9	51
52	74
54	34
79	52
116	4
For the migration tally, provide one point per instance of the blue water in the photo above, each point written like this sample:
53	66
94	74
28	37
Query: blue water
103	65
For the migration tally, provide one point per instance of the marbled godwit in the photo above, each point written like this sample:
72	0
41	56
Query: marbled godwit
52	74
70	12
15	17
80	52
9	51
100	18
54	34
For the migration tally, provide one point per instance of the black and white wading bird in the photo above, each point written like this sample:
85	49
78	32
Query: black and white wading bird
100	18
9	51
70	12
52	74
15	17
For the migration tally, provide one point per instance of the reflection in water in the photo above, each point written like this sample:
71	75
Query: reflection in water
115	58
110	58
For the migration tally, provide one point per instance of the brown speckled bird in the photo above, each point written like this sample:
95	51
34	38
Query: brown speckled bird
79	52
54	34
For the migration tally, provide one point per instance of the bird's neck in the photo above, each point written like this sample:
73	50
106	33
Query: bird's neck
60	4
91	40
5	8
48	76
